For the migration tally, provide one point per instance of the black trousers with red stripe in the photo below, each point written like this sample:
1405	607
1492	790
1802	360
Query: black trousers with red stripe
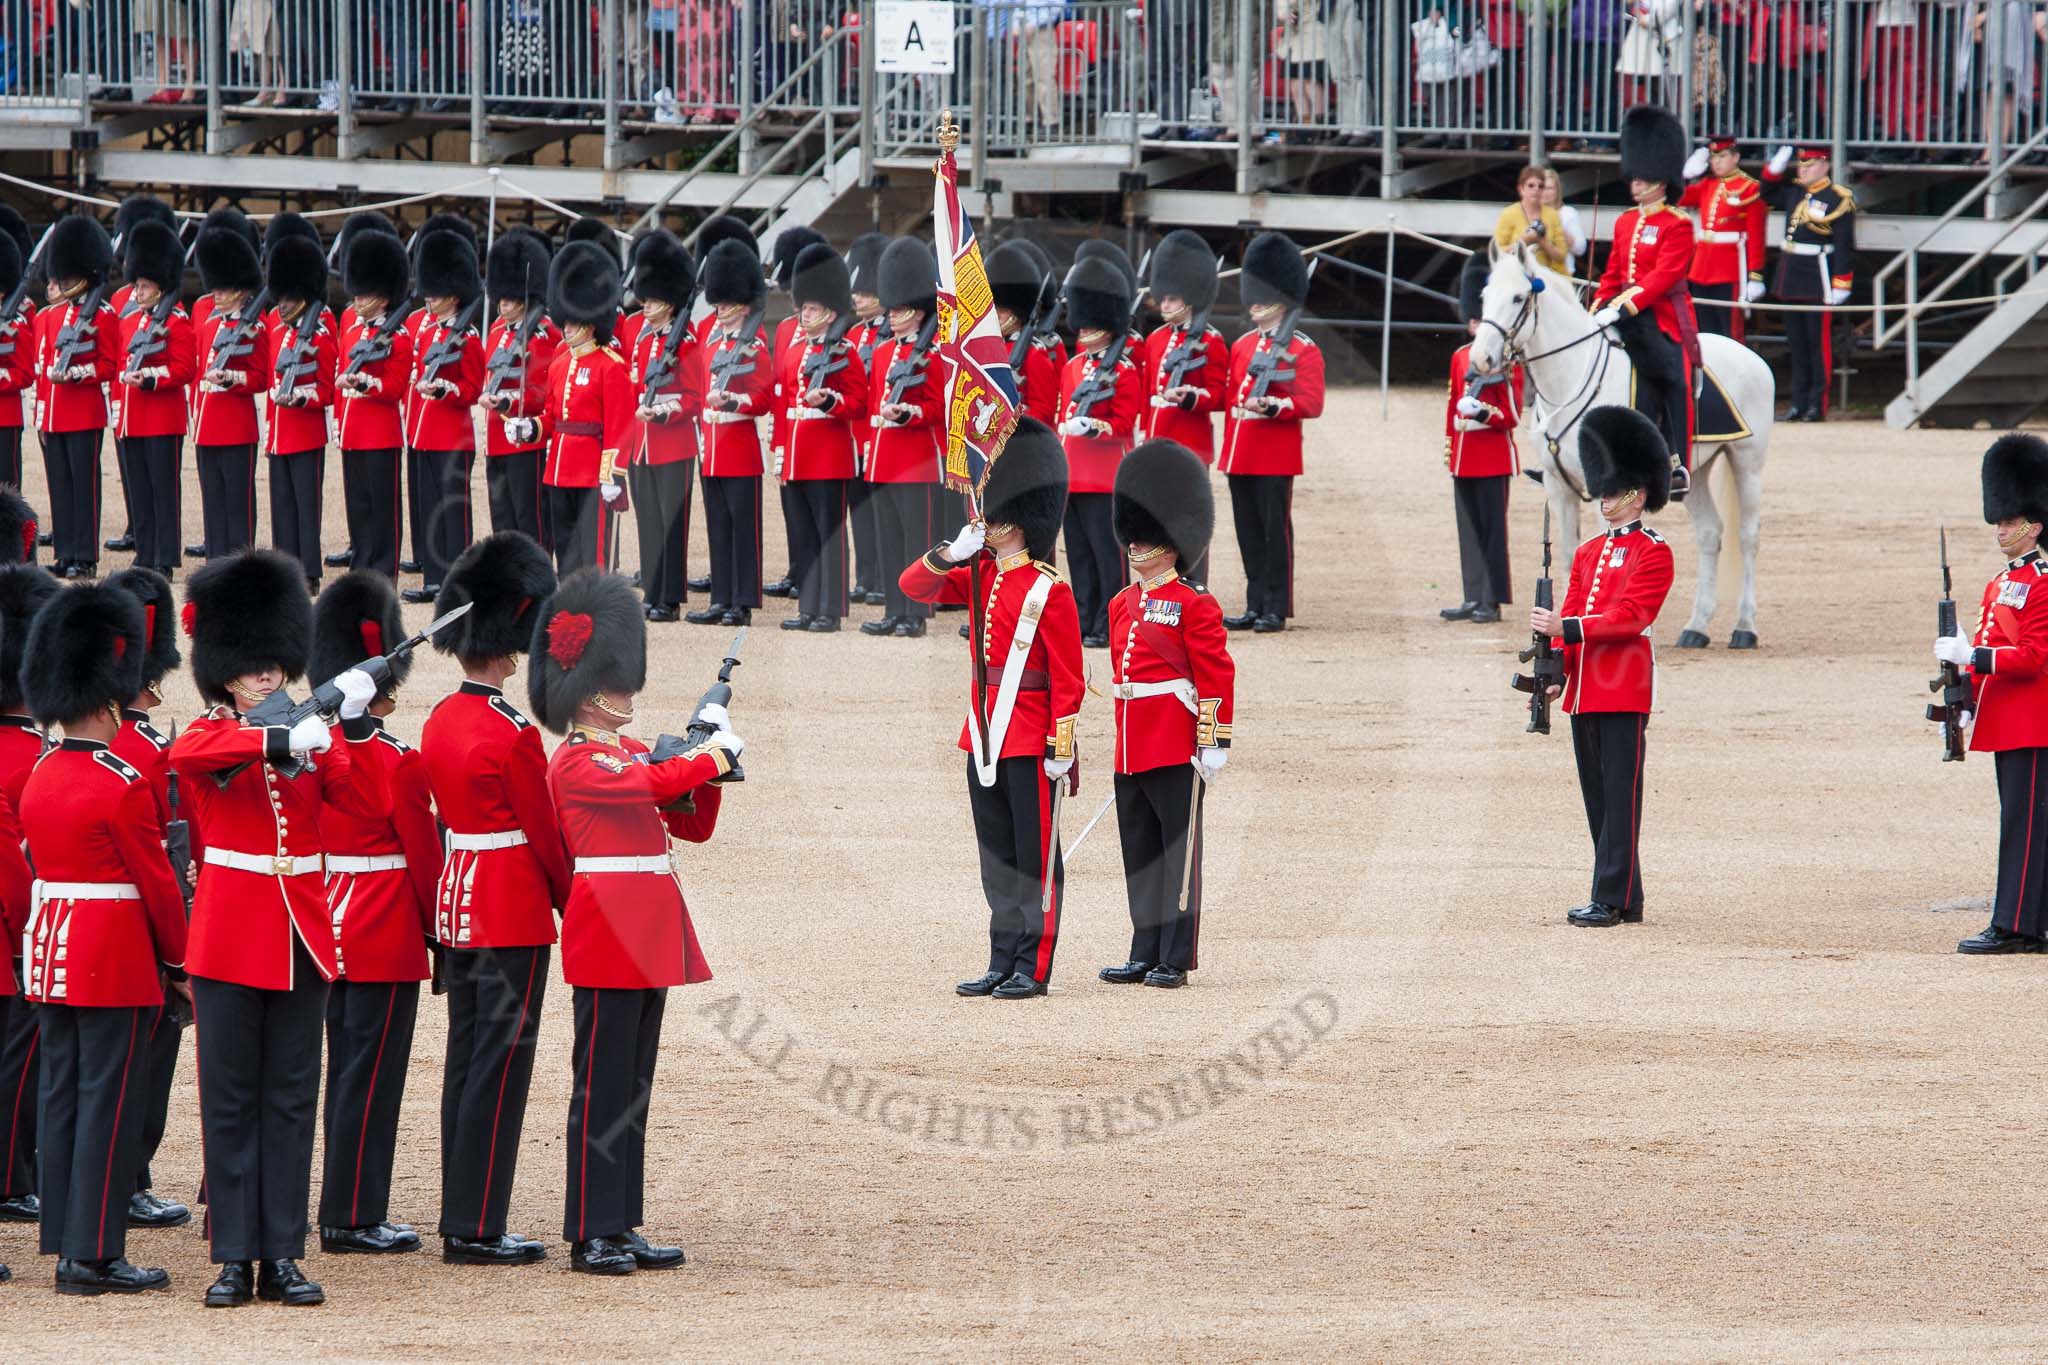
2022	840
71	459
817	537
1158	812
227	497
259	1094
904	513
494	1003
444	520
369	1047
583	530
166	1034
1013	828
1726	322
20	1083
662	498
732	525
1482	511
10	456
90	1121
618	1037
1095	562
297	482
369	490
1262	506
862	514
152	474
1609	748
512	483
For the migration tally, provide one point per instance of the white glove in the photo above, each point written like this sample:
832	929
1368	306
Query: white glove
77	374
1965	720
1837	297
305	393
522	430
713	714
1057	768
1076	426
1468	406
1606	317
1696	164
1468	424
610	491
968	543
1752	291
1780	159
730	742
1954	649
310	736
358	690
778	464
1212	761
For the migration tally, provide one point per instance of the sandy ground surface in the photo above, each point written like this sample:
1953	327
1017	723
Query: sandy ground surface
1404	1108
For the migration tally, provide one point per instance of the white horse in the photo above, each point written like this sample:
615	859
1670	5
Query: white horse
1534	317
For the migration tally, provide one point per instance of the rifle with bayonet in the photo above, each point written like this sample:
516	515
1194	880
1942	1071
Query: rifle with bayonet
447	347
661	371
1547	669
79	336
1953	687
700	728
737	359
237	335
154	335
298	361
830	356
906	370
1193	351
10	311
375	344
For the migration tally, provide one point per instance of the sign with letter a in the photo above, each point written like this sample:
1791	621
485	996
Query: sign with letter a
914	36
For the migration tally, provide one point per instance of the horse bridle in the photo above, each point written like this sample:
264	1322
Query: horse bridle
1512	354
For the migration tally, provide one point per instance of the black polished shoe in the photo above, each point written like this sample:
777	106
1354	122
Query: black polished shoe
1996	940
983	984
737	616
800	621
1485	616
781	587
340	559
1269	625
651	1257
281	1281
1130	974
378	1239
424	593
81	572
1813	415
823	625
195	552
504	1249
602	1256
45	538
123	544
147	1210
21	1208
5	1274
408	566
706	616
1462	612
1019	987
1095	640
884	626
1244	622
698	584
233	1287
1795	413
1595	916
1166	977
876	599
662	616
910	628
114	1276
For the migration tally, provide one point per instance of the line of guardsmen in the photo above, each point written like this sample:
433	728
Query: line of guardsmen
592	409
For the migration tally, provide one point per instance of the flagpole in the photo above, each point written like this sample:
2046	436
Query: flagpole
948	170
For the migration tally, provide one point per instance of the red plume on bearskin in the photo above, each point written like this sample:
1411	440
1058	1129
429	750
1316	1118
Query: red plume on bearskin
185	617
373	639
568	635
159	636
29	532
592	638
354	616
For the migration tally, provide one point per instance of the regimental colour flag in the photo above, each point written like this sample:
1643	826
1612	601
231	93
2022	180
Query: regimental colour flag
981	392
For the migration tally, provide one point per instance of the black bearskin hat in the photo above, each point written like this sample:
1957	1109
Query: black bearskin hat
15	227
583	287
141	208
1049	286
1472	287
356	618
1653	146
1620	449
1027	486
296	269
83	654
23	590
1102	249
286	227
446	267
908	276
864	261
370	222
159	621
591	638
1183	264
446	222
79	249
17	528
376	263
10	266
231	219
820	276
1098	297
517	267
731	274
2016	478
154	253
1274	272
227	260
726	228
508	576
1163	498
246	613
1014	278
790	243
592	230
663	270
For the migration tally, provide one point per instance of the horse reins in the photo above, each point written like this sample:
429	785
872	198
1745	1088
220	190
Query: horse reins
1512	354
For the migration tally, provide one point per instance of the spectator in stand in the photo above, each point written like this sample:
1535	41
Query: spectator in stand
309	49
252	33
1652	38
1596	29
1036	24
1351	43
1304	48
1574	231
1791	37
2023	24
1176	50
701	74
171	22
1893	75
1531	222
1223	63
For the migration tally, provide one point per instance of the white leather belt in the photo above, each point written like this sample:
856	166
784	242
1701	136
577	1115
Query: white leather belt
719	418
808	414
373	862
478	843
1247	415
1803	248
652	862
268	865
1171	687
1723	237
85	891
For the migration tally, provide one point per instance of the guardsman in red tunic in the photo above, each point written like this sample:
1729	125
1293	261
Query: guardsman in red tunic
303	358
24	589
2004	652
144	748
588	418
419	499
1480	415
1187	361
135	210
739	387
790	243
1017	283
907	415
1102	394
375	364
1619	581
626	934
1276	384
262	943
447	379
502	881
76	261
15	879
107	921
863	266
1030	645
665	278
516	272
159	360
1728	245
17	360
1642	293
234	370
1172	683
381	877
827	390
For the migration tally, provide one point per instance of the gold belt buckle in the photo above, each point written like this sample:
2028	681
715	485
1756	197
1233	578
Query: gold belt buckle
281	866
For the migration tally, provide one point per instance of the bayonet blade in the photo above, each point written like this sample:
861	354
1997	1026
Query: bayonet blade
434	626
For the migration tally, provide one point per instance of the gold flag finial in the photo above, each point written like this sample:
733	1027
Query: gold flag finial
949	131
